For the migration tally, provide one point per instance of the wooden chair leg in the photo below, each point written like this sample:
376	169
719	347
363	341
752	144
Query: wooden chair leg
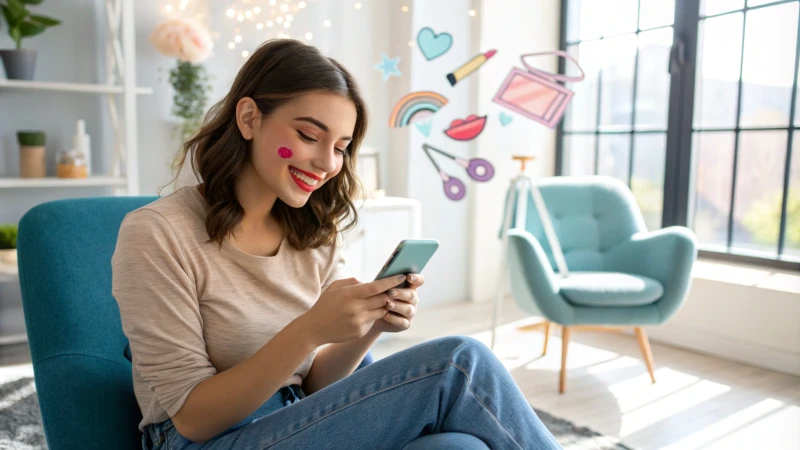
565	332
644	345
546	337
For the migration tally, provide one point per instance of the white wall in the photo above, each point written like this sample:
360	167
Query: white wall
513	27
742	313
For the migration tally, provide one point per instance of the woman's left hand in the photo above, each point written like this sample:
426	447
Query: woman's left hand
405	302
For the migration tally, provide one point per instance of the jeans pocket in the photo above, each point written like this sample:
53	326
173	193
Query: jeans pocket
153	439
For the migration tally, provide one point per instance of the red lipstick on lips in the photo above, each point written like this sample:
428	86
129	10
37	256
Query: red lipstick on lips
301	183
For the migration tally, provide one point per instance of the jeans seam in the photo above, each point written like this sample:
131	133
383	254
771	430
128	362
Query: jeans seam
356	402
469	388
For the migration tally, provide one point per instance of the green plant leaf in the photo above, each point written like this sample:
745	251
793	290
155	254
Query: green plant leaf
16	35
45	21
31	29
7	14
17	10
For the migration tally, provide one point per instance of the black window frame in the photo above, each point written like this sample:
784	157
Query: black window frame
680	126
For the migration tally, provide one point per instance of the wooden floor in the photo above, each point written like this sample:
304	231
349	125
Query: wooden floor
698	401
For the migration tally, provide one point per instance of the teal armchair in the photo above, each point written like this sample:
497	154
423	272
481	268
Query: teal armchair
620	275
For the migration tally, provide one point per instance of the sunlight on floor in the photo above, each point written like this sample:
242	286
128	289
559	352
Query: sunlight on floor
683	410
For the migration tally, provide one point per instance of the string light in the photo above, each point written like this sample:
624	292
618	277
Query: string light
302	5
237	38
269	24
231	45
257	10
284	8
182	7
327	23
168	8
404	9
410	43
357	5
259	26
248	14
240	18
472	13
279	19
309	36
271	2
245	53
287	24
289	17
230	12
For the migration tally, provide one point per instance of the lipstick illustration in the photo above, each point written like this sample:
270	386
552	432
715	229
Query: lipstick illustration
471	66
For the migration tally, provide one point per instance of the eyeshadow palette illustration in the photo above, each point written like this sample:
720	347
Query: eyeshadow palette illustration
537	94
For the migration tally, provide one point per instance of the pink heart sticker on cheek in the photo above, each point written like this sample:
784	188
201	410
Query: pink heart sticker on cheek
285	153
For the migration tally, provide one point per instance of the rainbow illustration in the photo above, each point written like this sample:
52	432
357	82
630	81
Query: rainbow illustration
416	106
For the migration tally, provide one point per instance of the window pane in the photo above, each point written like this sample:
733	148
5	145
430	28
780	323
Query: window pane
579	154
591	19
581	114
759	191
719	56
712	173
656	13
797	103
791	239
709	7
647	183
759	2
616	96
652	84
768	71
614	156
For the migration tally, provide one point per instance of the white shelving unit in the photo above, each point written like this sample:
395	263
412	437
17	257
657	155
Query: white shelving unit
120	91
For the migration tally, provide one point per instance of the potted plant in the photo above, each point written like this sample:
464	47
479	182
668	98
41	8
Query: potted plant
31	154
8	244
20	62
190	43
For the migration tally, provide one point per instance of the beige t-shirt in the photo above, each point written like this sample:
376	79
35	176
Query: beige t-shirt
191	310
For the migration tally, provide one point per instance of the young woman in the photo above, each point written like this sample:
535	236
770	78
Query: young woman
241	331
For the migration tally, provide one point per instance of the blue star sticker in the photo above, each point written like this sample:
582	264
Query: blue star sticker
388	66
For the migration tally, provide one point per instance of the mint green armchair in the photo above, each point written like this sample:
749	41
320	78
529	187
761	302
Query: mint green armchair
619	274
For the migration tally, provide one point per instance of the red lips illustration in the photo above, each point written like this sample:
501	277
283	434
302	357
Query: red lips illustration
466	129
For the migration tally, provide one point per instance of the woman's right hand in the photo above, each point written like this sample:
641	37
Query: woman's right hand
348	308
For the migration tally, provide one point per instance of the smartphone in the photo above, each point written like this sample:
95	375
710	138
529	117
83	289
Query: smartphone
410	256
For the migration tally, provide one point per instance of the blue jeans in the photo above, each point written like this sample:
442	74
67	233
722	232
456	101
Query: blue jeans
452	384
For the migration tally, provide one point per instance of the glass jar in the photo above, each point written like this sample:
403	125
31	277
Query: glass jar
71	164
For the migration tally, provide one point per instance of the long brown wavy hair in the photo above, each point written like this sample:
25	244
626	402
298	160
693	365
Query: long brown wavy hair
278	71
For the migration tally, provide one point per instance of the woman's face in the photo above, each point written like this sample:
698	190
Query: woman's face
301	145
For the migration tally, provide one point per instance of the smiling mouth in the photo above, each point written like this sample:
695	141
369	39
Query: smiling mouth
306	181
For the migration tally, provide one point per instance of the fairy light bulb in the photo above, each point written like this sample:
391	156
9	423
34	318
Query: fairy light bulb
289	17
357	6
240	18
231	45
287	24
248	14
237	38
245	53
230	13
279	19
301	5
309	36
472	13
168	8
270	24
404	9
271	2
257	10
259	26
327	23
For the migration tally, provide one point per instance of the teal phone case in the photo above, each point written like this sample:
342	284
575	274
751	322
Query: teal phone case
410	256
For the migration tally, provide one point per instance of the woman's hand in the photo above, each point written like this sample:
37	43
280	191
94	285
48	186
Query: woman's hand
348	309
404	309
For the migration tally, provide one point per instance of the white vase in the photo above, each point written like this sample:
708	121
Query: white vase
8	257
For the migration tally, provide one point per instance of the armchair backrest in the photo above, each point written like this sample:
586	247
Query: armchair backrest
590	215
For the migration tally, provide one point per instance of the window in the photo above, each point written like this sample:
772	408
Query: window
693	104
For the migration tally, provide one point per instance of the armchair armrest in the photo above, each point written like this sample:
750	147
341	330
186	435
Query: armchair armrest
533	283
666	255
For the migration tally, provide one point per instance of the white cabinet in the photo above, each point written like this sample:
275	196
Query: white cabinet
382	224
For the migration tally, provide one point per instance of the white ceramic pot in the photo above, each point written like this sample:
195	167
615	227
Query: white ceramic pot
8	257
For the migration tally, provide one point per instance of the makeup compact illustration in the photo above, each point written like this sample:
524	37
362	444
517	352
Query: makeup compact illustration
537	94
